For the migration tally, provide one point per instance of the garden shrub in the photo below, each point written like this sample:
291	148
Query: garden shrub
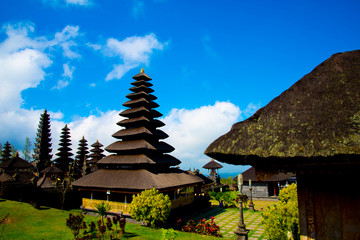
151	207
169	234
203	227
228	199
82	231
282	219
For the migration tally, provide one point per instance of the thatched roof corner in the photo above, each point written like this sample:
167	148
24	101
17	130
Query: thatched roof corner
316	118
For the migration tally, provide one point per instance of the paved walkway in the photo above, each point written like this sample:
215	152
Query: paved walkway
228	219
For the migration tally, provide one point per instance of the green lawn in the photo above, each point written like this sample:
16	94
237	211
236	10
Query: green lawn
26	222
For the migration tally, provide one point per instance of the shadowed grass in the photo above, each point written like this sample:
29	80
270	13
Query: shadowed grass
26	222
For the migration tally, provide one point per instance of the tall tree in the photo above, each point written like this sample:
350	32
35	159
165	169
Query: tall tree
26	151
42	152
80	160
1	152
64	152
6	154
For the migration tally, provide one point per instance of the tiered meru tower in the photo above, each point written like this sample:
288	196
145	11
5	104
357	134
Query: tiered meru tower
139	160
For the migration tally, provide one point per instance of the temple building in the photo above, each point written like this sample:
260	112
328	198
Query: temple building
139	158
312	129
268	187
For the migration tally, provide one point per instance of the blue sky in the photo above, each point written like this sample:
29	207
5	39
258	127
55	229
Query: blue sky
213	63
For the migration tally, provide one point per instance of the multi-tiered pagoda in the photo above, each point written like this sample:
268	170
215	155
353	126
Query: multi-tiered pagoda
139	158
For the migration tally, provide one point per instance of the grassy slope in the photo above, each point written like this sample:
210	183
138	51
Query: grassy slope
26	222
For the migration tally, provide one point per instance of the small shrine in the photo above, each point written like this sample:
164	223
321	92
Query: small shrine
139	158
213	168
49	176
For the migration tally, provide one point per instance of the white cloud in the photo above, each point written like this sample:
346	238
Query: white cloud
64	39
22	65
191	131
23	61
251	109
78	2
94	46
67	3
132	51
206	43
138	8
60	84
68	70
96	128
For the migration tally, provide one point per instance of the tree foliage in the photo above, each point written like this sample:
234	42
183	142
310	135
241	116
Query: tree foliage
27	149
282	219
227	181
151	206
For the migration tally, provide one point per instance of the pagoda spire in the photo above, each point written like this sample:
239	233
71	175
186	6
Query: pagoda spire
64	152
140	142
42	152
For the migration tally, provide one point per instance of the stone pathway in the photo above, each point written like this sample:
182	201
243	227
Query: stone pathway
228	219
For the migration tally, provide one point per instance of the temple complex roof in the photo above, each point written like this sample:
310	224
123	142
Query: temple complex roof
139	158
16	163
314	121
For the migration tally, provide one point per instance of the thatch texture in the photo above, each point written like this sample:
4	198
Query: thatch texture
212	165
139	159
15	163
137	180
52	170
316	119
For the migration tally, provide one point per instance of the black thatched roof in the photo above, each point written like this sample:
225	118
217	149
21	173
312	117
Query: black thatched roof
16	163
45	183
51	170
205	179
137	180
212	165
316	119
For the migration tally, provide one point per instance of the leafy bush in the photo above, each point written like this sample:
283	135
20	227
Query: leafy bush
102	208
75	223
229	199
282	218
151	206
202	227
81	231
169	234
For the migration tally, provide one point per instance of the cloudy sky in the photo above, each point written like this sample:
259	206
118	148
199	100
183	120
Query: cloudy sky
213	63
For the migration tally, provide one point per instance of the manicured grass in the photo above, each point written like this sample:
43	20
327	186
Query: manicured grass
26	222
